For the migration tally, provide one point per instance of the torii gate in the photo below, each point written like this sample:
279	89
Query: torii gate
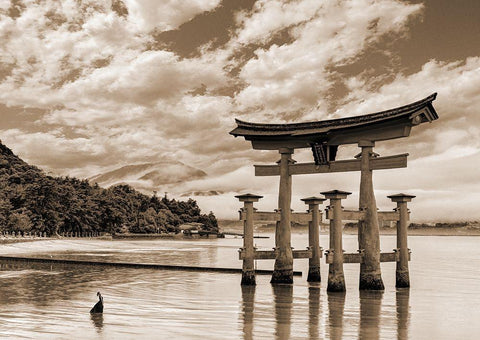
324	137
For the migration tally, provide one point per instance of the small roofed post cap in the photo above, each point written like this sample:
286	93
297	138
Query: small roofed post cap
401	197
248	197
313	200
336	194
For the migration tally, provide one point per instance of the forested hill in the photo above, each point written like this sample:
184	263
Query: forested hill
32	201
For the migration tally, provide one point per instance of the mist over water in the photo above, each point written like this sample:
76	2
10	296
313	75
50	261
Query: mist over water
44	301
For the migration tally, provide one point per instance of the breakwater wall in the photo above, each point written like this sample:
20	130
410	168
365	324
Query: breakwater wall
133	265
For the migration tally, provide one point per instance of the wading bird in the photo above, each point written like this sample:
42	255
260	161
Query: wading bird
98	308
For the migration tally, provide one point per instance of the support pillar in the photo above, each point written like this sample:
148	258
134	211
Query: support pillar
283	270
313	238
336	278
368	228
248	269
402	273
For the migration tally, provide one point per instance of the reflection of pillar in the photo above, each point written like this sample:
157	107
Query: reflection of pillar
403	312
283	299
336	279
248	269
283	271
313	311
248	304
370	310
313	238
336	306
368	228
402	275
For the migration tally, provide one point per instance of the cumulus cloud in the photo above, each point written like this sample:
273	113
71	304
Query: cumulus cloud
457	85
93	92
297	76
88	68
150	14
53	45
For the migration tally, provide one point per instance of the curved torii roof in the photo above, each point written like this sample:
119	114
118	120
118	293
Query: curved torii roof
383	125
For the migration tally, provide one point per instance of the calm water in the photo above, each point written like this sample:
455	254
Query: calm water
53	301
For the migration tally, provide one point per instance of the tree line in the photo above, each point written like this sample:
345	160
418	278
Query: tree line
31	201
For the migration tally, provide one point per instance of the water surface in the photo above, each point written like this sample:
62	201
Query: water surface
43	301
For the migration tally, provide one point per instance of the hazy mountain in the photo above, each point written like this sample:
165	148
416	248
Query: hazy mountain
149	176
202	193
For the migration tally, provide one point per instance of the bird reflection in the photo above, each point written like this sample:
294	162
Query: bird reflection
336	307
370	310
248	304
97	320
313	310
403	313
283	299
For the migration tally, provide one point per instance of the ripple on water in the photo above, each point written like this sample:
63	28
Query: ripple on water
43	301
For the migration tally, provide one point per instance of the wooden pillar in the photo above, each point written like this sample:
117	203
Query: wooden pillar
336	278
248	268
283	270
402	274
368	228
313	238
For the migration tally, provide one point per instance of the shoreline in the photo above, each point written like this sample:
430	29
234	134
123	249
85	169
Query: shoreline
117	237
346	231
10	240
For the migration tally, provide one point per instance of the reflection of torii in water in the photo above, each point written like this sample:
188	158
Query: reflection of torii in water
324	137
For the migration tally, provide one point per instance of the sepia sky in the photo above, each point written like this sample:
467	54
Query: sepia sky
90	86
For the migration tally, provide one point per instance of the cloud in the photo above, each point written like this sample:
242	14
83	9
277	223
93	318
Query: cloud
143	79
269	17
457	84
100	88
33	146
46	57
443	155
297	76
91	91
167	15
